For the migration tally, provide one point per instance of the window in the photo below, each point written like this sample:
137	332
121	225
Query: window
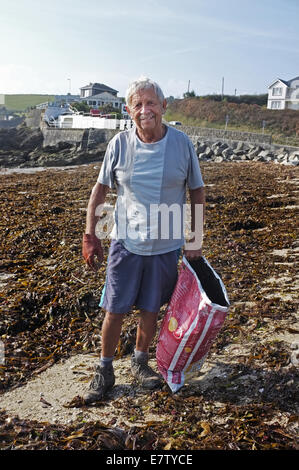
277	91
275	105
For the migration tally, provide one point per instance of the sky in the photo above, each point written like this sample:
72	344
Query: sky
58	46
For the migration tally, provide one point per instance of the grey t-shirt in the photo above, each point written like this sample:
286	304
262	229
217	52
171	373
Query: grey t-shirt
151	182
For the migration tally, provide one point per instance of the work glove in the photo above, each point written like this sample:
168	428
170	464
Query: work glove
91	247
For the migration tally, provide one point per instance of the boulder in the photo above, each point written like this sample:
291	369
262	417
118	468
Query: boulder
216	145
265	153
239	152
294	155
254	151
239	146
201	147
209	152
220	149
294	158
227	152
282	156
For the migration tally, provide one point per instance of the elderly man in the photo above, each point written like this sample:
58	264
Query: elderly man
150	165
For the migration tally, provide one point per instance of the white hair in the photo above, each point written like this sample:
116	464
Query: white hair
143	83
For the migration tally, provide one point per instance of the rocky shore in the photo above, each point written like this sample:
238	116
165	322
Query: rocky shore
26	147
221	152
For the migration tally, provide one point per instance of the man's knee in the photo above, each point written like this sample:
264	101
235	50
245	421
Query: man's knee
114	318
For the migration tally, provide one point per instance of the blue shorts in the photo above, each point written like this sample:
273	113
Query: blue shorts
145	282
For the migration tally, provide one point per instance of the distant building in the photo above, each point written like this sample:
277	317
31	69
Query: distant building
98	95
67	98
95	89
103	99
284	94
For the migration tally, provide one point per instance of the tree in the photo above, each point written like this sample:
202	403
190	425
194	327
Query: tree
189	94
81	106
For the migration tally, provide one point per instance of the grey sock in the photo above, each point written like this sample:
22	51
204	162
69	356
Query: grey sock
106	361
141	356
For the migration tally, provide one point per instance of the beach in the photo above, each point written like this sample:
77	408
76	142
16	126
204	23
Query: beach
50	321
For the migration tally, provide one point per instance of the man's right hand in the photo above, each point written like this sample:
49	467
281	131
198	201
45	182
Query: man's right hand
91	247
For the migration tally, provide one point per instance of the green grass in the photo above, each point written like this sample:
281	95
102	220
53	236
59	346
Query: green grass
22	102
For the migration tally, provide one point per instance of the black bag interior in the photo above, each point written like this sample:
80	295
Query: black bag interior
209	282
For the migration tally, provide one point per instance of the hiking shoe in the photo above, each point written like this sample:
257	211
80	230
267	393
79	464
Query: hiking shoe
102	381
145	375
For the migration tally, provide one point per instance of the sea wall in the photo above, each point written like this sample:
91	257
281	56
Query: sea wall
228	136
85	138
43	146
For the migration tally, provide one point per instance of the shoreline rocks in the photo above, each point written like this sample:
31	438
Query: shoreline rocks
24	147
243	151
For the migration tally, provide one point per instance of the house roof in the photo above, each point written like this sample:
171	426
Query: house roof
284	82
98	85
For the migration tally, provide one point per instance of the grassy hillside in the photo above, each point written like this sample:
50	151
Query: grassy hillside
283	125
22	102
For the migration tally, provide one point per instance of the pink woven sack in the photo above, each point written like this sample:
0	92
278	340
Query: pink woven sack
193	318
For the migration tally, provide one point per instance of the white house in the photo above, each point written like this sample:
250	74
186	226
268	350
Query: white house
284	94
98	94
103	99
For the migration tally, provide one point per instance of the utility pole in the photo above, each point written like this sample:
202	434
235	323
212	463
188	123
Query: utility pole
222	88
69	85
188	86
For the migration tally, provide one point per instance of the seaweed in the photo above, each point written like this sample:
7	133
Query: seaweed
49	311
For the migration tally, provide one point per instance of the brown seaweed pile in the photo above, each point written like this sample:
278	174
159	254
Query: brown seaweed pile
49	310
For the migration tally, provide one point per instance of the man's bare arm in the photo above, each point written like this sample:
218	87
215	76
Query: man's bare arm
91	245
97	197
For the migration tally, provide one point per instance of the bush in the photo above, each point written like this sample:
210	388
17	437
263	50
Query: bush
81	106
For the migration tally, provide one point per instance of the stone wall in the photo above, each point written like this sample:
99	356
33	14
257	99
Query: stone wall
85	138
213	135
53	137
33	118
